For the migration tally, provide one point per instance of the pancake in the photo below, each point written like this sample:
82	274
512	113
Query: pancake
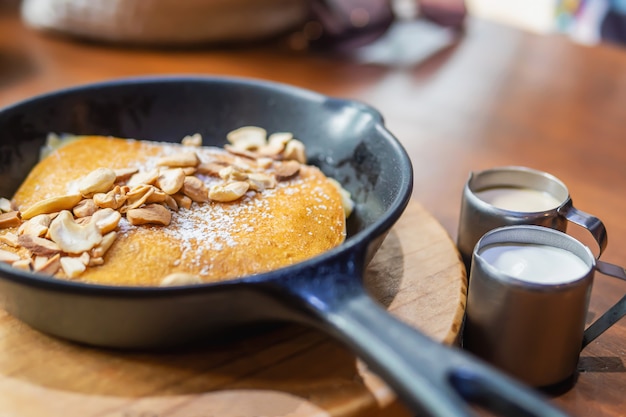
115	211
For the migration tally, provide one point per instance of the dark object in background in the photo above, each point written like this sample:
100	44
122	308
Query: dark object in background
347	24
613	27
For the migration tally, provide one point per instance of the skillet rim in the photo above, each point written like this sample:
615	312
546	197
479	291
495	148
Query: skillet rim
353	244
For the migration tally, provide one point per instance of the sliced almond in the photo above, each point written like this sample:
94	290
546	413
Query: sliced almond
123	174
248	138
72	237
113	199
171	203
276	144
5	205
179	160
104	245
287	170
23	264
232	173
39	262
85	208
260	182
171	180
52	205
96	261
211	168
8	257
195	189
10	219
100	180
37	226
72	267
50	266
156	196
38	245
192	140
106	220
180	278
182	201
84	258
150	214
137	196
145	177
295	150
228	192
10	239
241	152
264	162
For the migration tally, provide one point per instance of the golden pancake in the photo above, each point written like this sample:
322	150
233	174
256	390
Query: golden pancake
165	218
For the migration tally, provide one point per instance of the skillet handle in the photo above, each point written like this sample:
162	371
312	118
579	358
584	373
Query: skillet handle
431	378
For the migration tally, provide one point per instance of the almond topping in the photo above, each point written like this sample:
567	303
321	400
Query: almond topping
8	257
192	140
10	239
171	203
85	208
295	150
39	262
72	237
182	201
195	189
171	180
37	226
123	174
72	267
241	152
264	162
231	173
10	219
211	168
137	196
114	199
147	177
179	160
180	278
52	205
23	264
248	138
96	261
102	248
84	258
100	180
287	170
259	182
38	245
50	266
106	220
229	192
276	144
152	214
5	205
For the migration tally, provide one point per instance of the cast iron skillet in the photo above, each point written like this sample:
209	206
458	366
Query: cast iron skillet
347	140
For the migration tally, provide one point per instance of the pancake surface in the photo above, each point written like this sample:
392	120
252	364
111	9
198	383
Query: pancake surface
299	217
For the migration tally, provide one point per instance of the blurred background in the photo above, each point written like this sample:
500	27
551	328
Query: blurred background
584	21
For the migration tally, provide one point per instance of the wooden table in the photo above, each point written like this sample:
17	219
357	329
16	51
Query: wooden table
498	96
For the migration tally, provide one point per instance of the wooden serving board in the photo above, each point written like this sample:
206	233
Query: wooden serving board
281	371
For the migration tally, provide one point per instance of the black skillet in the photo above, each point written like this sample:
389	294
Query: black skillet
348	141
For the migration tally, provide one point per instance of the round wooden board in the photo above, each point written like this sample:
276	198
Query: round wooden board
280	371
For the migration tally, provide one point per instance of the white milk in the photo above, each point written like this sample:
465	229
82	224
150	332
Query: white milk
518	199
535	263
